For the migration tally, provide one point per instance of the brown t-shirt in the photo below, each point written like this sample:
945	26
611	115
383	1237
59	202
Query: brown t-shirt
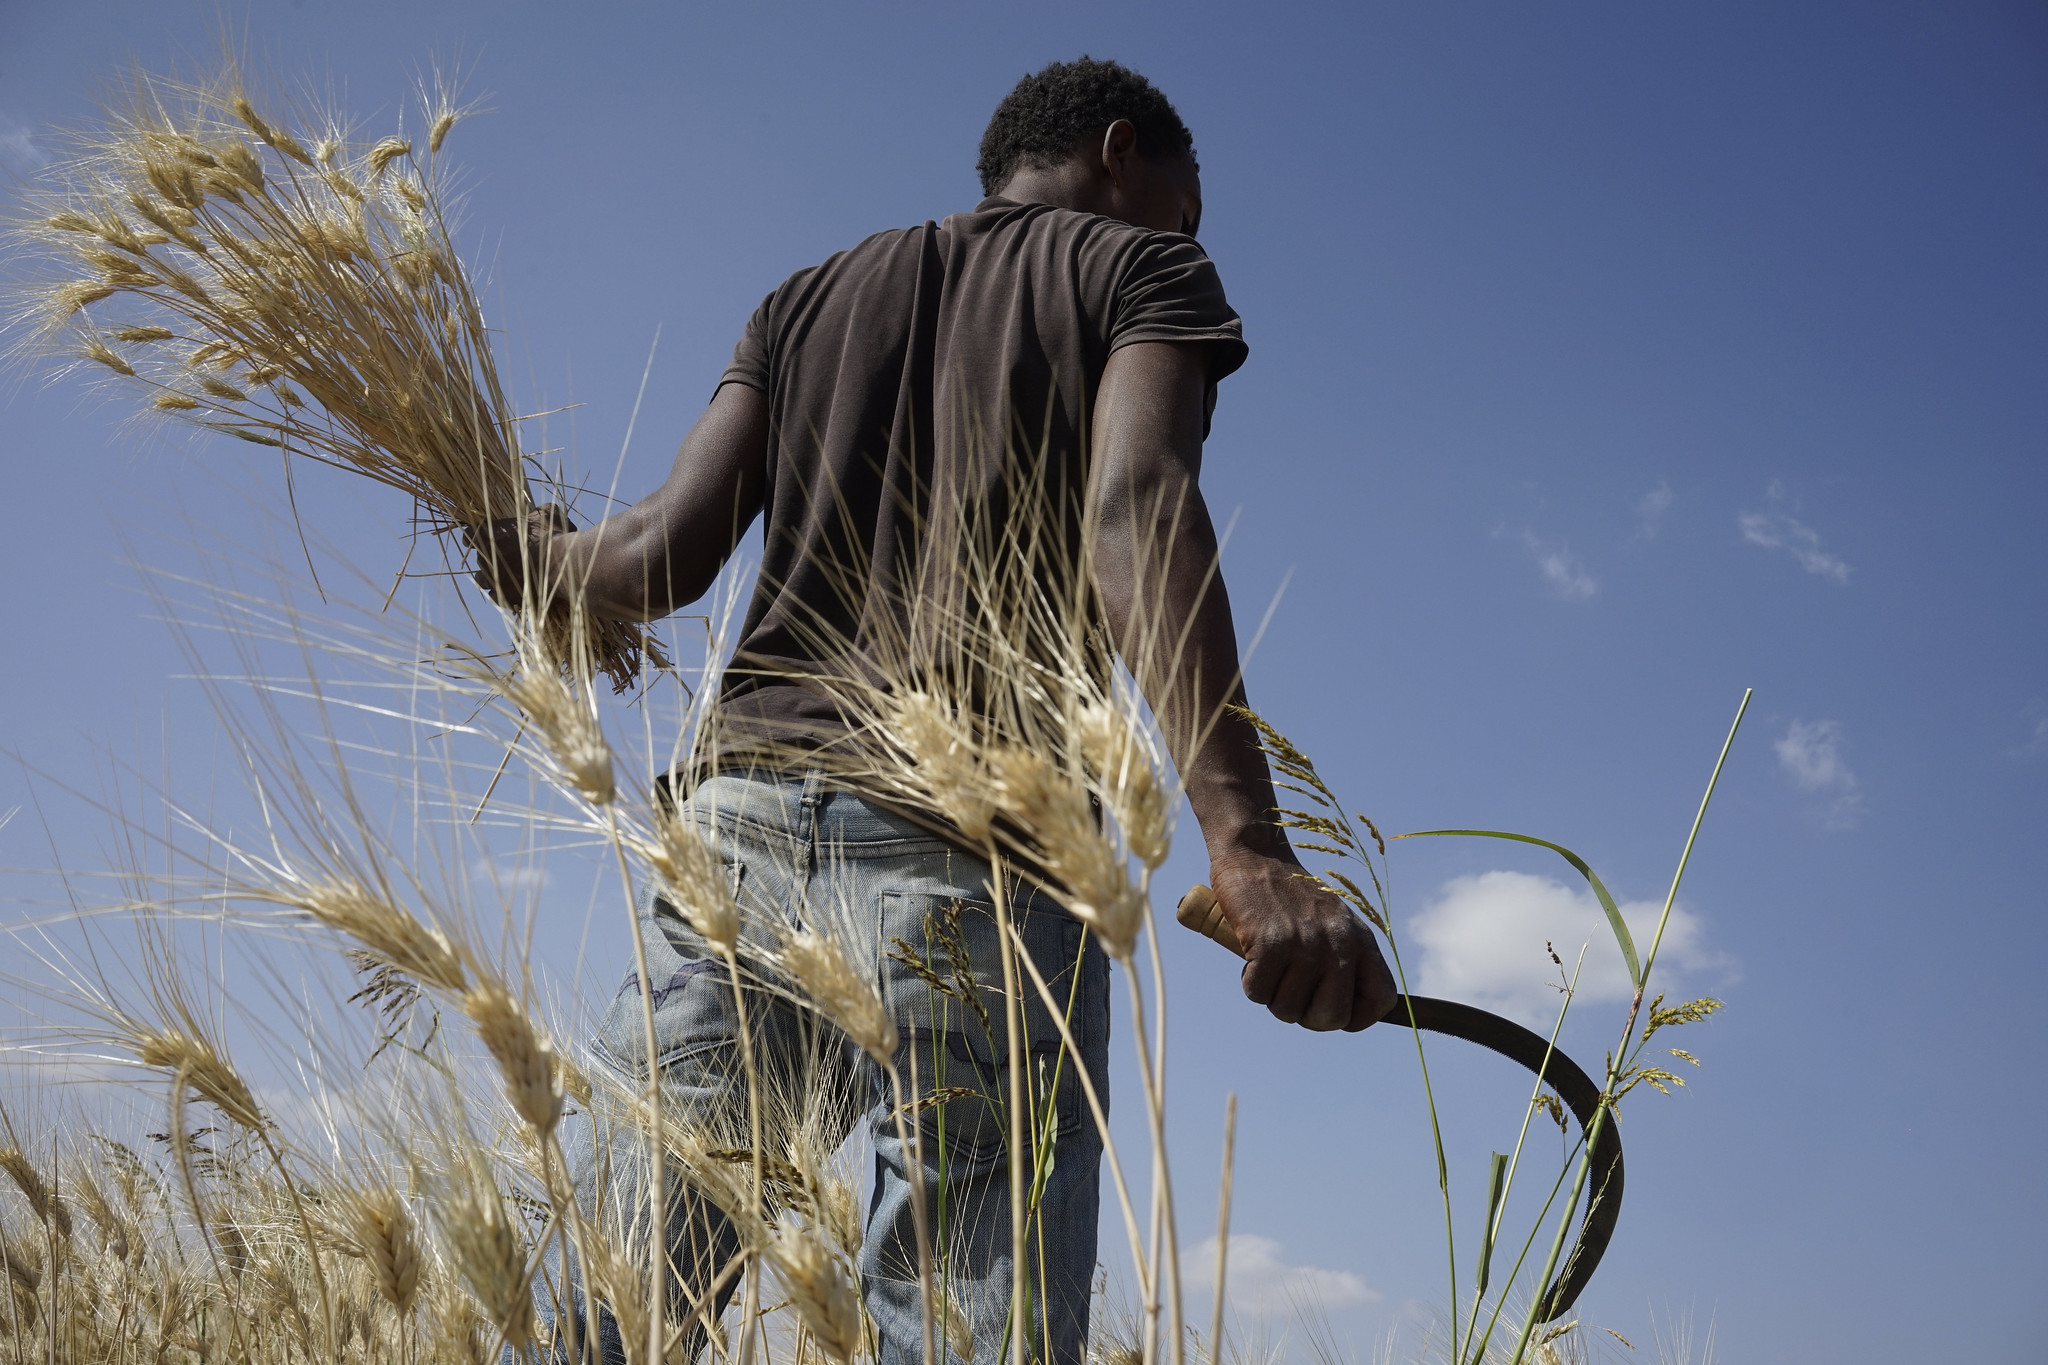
941	356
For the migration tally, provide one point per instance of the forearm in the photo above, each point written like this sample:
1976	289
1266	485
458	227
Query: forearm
1169	612
1155	562
1310	960
665	551
630	567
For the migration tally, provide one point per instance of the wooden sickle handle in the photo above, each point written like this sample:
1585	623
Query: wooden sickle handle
1200	911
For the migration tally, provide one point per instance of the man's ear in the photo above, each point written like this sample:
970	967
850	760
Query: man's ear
1119	146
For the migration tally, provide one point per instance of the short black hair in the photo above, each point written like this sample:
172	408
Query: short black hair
1038	123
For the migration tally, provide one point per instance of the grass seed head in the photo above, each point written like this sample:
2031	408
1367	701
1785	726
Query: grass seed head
276	137
384	153
617	1282
176	183
67	299
491	1257
695	880
342	185
567	722
438	133
193	1062
959	1332
839	1214
382	1231
105	355
525	1060
933	737
42	1198
24	1273
1084	865
1129	779
820	968
386	931
240	159
818	1286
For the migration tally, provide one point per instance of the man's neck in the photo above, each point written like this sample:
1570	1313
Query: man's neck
1068	185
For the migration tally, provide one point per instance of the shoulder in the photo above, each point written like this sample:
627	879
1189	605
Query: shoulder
870	253
1107	257
1091	232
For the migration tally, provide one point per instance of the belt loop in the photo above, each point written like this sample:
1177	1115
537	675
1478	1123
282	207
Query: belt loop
813	796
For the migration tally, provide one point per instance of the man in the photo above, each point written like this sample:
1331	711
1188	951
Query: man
1070	323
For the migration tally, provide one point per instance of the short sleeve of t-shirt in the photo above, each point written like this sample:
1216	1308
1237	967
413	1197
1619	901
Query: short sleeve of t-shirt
750	357
1170	292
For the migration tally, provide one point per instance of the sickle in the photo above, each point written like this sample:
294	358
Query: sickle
1199	911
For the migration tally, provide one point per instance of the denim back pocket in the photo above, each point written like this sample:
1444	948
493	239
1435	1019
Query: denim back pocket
694	1012
942	974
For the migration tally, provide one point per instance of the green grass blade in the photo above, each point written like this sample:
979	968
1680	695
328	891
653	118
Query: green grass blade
1686	856
1613	912
1495	1188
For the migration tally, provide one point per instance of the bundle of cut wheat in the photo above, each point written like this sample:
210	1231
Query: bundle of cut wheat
299	293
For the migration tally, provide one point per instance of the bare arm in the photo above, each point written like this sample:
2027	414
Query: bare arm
1310	960
664	551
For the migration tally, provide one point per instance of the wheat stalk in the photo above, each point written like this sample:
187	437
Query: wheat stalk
818	1287
388	933
821	971
382	1231
308	301
42	1198
488	1251
695	880
526	1061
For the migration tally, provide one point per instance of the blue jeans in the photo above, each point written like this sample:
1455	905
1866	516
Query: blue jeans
798	852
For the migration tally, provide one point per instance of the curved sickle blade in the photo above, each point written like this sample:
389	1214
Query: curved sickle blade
1200	911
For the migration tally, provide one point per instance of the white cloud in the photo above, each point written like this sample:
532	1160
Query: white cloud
1261	1284
507	879
1810	754
2036	735
1563	572
1650	510
1483	942
19	153
2033	746
1775	529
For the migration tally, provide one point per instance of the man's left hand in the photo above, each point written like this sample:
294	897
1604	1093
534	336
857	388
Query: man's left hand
512	554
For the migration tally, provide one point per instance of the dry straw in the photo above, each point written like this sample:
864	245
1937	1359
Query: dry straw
308	301
488	1250
694	881
818	1286
821	971
42	1199
389	934
525	1060
382	1230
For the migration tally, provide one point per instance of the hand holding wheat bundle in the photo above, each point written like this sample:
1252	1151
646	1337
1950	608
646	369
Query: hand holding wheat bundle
301	294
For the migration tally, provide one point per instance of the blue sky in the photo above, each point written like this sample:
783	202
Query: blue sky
1606	360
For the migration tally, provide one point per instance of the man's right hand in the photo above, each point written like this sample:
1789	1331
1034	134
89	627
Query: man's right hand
1308	958
512	551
